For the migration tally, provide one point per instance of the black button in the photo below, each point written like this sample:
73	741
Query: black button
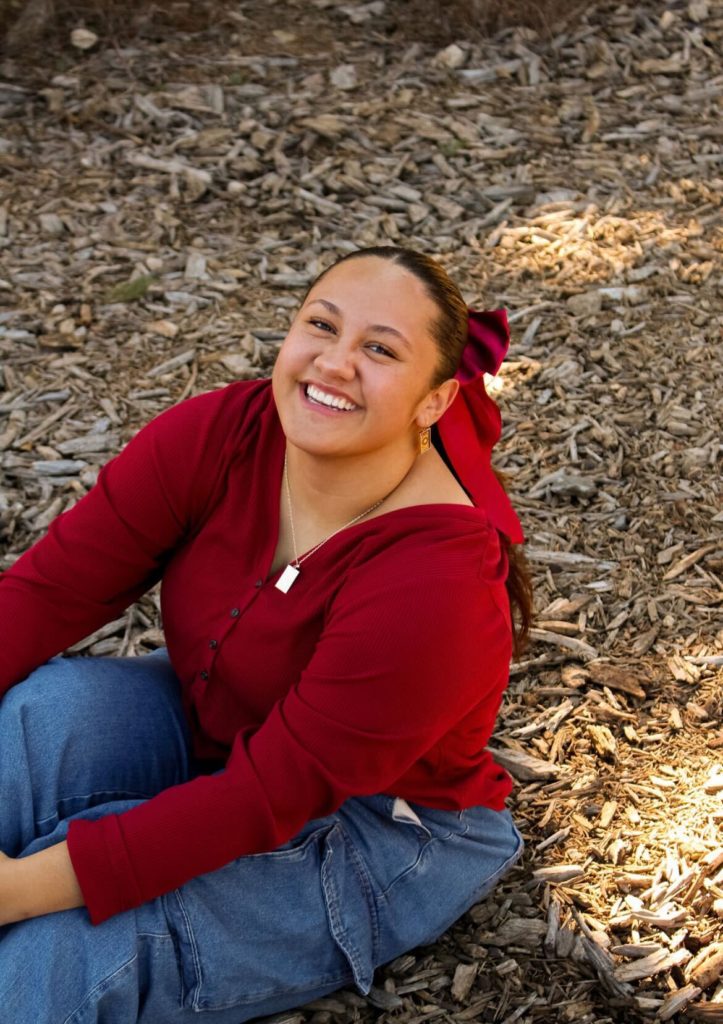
259	583
213	644
235	613
204	674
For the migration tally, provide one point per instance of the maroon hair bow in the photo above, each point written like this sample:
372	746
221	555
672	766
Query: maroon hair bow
471	426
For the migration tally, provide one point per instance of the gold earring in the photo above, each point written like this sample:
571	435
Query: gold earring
425	440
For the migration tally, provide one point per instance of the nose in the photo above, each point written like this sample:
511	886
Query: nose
337	360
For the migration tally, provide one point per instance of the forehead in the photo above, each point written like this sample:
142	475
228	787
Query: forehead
381	291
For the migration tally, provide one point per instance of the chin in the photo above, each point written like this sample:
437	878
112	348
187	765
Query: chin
312	444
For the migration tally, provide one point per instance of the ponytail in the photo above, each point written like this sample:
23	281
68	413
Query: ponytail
519	588
519	591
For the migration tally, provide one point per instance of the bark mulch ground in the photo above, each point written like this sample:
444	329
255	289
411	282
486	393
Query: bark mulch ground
163	201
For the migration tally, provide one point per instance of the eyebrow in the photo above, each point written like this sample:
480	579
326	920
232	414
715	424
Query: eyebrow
379	328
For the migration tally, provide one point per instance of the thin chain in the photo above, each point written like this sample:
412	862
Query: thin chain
297	561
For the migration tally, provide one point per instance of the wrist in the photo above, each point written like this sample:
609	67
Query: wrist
42	883
11	895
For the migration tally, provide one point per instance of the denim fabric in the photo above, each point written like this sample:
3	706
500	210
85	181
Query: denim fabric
91	736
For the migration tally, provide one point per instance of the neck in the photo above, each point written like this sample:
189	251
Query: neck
334	489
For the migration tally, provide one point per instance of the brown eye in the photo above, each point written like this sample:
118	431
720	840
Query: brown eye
321	324
381	349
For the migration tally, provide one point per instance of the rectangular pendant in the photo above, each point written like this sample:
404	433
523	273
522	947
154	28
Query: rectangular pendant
286	579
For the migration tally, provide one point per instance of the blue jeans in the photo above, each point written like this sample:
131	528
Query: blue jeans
83	737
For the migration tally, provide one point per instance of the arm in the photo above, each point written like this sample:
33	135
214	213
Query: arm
42	883
94	560
110	548
404	656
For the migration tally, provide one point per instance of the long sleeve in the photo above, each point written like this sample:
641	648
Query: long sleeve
105	552
410	647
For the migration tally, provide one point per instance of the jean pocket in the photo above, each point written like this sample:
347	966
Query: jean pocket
450	873
432	822
273	928
402	811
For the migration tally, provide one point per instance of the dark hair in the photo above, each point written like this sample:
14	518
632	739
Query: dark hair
449	331
519	588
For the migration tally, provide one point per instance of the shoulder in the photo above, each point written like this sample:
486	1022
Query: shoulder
438	566
189	448
212	422
433	541
428	576
196	437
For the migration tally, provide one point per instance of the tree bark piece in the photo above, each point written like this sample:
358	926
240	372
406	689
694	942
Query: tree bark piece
603	741
678	1001
651	965
464	976
524	766
559	873
616	677
707	966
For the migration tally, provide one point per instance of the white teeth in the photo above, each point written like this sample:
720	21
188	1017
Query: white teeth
321	396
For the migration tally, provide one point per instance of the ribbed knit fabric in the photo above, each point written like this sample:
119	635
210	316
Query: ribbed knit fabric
381	670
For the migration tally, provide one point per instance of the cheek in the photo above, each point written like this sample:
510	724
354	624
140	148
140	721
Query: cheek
283	375
294	354
286	360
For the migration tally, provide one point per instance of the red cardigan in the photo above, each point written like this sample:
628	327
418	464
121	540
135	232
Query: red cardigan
381	670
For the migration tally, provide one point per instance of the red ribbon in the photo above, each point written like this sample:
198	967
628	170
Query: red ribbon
471	426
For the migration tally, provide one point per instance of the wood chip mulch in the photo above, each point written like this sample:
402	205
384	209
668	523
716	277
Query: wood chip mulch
162	203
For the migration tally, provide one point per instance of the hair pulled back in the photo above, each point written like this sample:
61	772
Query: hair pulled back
449	332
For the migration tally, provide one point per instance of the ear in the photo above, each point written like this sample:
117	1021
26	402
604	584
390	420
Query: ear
436	403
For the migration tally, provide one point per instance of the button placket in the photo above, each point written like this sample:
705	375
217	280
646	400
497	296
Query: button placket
234	614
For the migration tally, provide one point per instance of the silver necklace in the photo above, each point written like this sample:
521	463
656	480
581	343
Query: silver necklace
292	570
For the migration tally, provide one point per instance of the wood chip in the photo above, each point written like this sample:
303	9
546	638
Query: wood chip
616	678
464	976
714	783
578	647
558	873
170	197
677	1001
607	813
603	741
685	563
707	966
516	931
651	965
524	766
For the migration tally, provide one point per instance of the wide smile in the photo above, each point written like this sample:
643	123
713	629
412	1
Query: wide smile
323	402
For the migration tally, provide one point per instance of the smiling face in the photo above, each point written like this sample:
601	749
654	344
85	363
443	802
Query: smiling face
355	371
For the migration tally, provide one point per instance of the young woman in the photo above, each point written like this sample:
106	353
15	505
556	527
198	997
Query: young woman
296	789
